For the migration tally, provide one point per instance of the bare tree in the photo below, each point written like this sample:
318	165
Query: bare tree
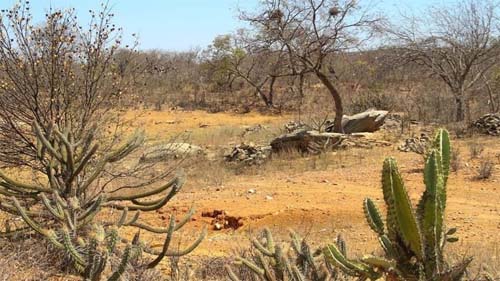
56	74
237	57
459	44
311	31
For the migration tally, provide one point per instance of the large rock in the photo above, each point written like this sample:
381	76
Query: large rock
170	151
306	141
368	121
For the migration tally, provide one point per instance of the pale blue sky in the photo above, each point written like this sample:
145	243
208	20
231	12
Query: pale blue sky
183	24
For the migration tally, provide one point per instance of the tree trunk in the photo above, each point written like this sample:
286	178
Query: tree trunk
337	101
460	113
264	98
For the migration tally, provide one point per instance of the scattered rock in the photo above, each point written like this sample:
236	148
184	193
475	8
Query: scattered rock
488	124
251	191
170	151
168	122
293	126
253	129
417	144
269	197
368	121
248	153
307	142
221	220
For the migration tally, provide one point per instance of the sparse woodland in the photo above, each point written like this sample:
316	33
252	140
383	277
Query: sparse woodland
114	161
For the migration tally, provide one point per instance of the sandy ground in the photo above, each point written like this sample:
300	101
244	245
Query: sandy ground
318	197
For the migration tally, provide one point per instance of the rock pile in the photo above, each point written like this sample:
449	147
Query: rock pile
293	126
363	140
221	220
248	153
417	144
304	141
488	124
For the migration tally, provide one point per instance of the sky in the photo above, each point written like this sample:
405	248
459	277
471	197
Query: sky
181	25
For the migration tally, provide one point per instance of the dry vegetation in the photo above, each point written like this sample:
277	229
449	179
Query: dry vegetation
64	88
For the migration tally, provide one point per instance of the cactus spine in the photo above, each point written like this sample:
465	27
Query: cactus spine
413	241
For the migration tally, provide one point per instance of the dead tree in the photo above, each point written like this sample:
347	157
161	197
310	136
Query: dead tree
311	31
458	44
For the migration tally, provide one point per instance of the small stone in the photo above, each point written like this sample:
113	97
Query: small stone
269	197
218	226
251	191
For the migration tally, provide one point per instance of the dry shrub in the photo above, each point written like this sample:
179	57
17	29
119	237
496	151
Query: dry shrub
485	169
456	160
30	259
475	150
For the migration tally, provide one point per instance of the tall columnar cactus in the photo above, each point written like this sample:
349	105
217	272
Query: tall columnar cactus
64	206
413	240
272	262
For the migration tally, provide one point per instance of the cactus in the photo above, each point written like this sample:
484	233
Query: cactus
63	207
412	240
272	263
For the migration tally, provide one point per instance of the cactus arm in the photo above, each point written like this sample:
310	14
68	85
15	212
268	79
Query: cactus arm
230	273
431	212
261	248
54	211
133	143
147	203
400	209
334	256
161	230
265	265
381	263
96	262
123	217
99	168
166	244
373	217
253	267
10	182
7	191
175	189
176	183
269	240
190	248
387	246
46	144
12	233
69	150
123	264
83	163
70	248
91	211
442	145
24	214
185	219
112	238
134	218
